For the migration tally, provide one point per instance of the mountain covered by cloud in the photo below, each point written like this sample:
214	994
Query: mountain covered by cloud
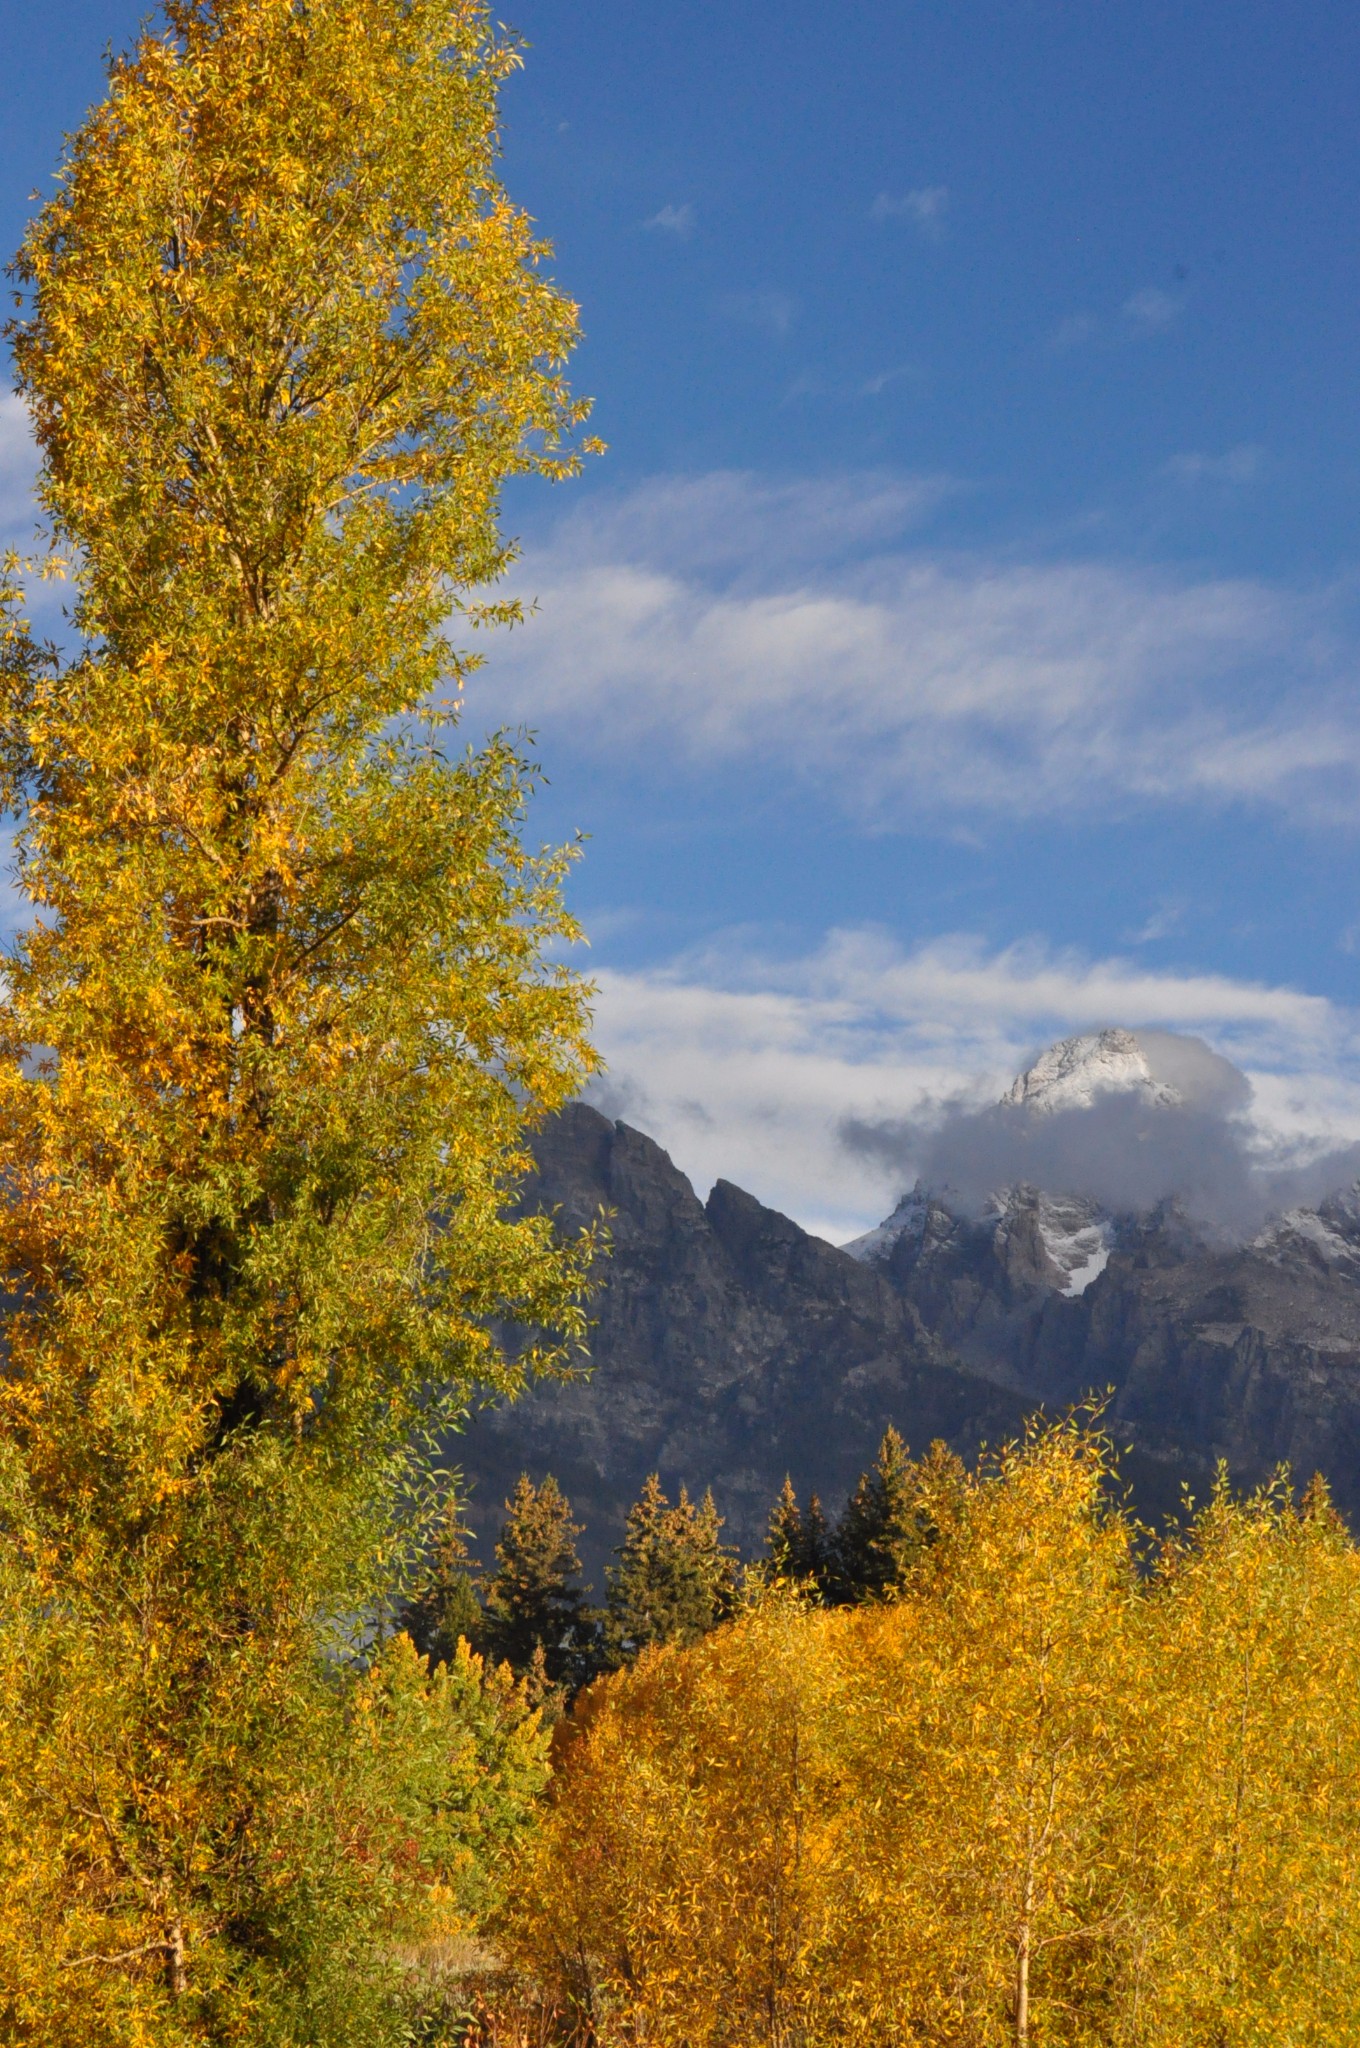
1119	1121
821	1080
730	1347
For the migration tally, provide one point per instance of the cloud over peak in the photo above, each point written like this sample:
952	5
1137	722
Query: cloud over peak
757	1067
1123	1121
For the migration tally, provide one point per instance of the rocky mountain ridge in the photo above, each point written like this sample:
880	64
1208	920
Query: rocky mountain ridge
731	1346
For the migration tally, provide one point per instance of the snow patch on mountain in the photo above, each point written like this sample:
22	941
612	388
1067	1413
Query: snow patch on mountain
1074	1075
1116	1124
1076	1235
1078	1239
1332	1232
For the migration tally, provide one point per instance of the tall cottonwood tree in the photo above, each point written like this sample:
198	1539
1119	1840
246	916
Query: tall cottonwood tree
273	1040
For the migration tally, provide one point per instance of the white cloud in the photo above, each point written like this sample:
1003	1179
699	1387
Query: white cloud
720	619
45	602
1167	917
1235	466
883	380
1152	310
744	1066
925	207
675	220
1076	329
1146	312
772	311
842	389
722	524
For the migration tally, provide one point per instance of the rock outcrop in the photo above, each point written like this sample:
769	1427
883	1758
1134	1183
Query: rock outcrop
731	1347
1248	1354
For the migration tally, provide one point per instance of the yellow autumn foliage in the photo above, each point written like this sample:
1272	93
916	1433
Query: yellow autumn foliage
1055	1793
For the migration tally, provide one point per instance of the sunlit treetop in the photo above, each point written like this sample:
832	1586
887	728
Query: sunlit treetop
286	324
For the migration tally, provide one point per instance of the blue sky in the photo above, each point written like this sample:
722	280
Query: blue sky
958	644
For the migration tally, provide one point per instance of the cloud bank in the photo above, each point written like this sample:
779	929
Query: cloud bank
752	1068
810	628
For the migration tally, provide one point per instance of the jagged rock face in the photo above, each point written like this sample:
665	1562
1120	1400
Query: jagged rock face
730	1348
1248	1354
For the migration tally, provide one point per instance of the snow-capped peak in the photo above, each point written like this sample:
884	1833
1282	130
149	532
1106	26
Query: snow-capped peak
908	1218
1073	1073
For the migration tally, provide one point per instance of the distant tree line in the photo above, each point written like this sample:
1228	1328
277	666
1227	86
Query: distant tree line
674	1578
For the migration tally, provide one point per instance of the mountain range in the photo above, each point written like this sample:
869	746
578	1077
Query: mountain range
731	1347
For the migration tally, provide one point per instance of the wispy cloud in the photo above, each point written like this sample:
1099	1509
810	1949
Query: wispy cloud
1166	918
926	207
806	627
675	220
773	311
1235	466
883	380
848	390
747	1066
1144	313
1152	310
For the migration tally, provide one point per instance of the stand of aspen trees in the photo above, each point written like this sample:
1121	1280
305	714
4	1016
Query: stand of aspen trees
1065	1788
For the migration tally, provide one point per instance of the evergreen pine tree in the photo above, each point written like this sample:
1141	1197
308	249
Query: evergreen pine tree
674	1580
446	1609
535	1606
799	1543
882	1530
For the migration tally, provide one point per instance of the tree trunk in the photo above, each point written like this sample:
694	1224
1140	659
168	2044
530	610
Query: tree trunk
1022	1985
176	1975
